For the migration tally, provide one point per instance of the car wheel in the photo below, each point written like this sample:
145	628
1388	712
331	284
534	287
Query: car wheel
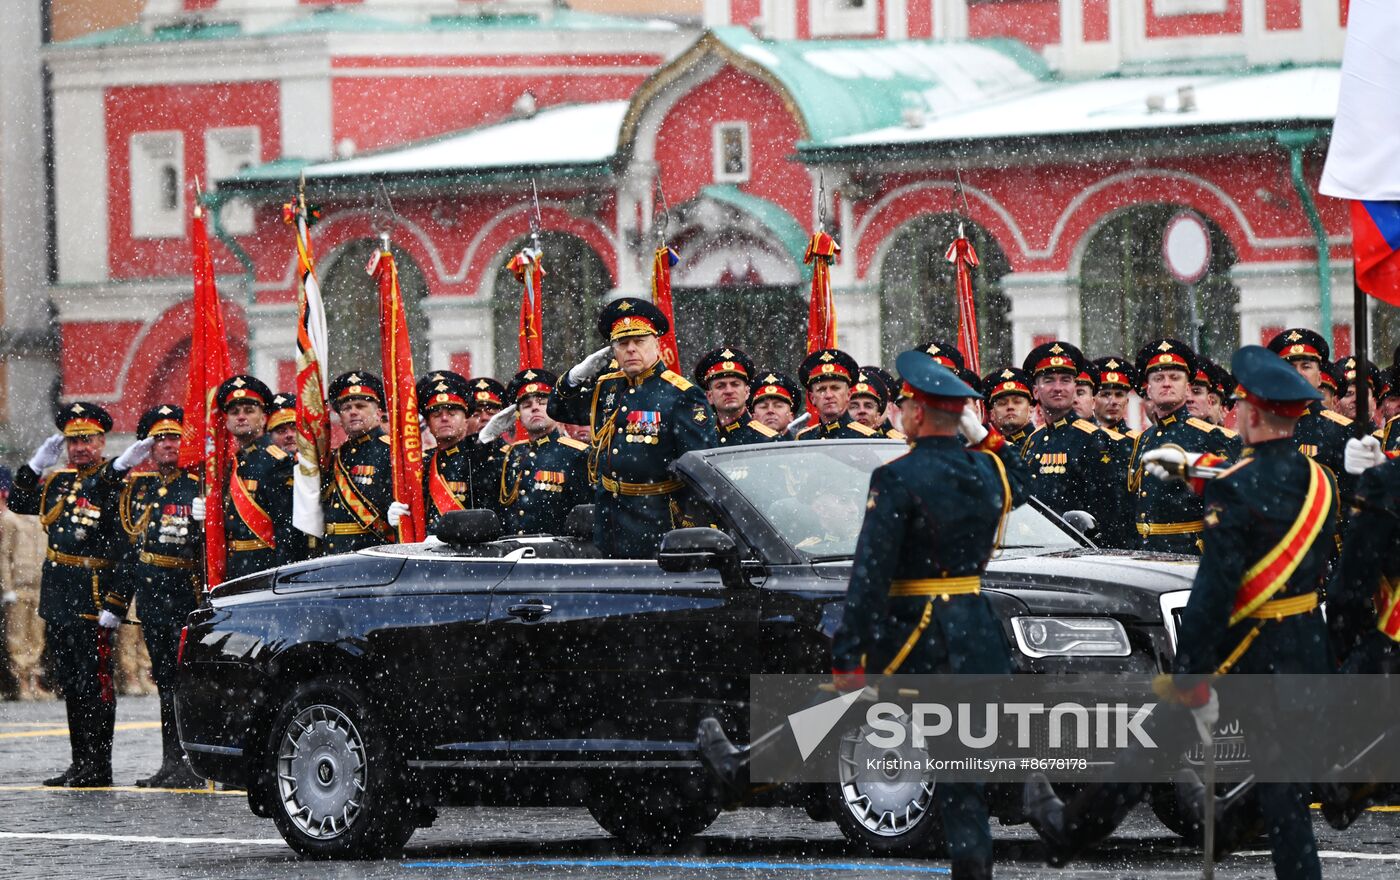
889	812
1243	826
338	792
654	814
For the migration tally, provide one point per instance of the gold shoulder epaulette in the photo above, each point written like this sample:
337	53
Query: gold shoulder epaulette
572	443
1133	435
276	451
384	438
1334	416
135	474
615	374
762	428
677	380
895	434
1112	434
808	430
1227	431
1200	424
1085	425
863	429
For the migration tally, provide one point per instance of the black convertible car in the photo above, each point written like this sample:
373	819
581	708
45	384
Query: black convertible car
353	695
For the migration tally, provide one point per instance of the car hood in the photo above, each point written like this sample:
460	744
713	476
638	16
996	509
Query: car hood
1124	585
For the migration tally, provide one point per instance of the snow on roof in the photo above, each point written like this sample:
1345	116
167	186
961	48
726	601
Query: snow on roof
1121	104
571	134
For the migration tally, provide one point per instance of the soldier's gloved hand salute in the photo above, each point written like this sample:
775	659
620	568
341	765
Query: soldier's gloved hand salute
497	425
591	366
46	456
1362	453
134	454
970	425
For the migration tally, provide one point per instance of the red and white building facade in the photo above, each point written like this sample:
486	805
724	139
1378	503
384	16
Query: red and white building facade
776	115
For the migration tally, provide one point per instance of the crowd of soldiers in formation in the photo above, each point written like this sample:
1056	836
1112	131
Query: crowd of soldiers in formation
606	432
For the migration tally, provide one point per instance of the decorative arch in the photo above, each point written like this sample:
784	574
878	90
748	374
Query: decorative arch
351	297
160	360
877	227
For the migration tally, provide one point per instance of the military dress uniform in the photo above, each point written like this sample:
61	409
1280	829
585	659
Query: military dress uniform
870	385
1363	596
777	386
1072	462
832	363
455	476
891	387
1213	378
258	504
1321	433
1168	516
360	488
727	361
639	427
542	478
78	510
162	559
1009	382
1114	373
914	602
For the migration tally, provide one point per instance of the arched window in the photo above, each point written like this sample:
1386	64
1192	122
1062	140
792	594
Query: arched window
351	296
1127	296
918	295
575	282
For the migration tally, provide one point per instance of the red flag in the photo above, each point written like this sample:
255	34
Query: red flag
821	311
661	264
964	258
1375	242
206	441
529	268
405	443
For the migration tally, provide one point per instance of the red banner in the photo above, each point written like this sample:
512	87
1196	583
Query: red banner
206	442
821	311
661	264
401	399
529	269
964	259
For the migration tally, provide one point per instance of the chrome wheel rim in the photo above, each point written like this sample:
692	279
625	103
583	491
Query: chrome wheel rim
884	803
321	771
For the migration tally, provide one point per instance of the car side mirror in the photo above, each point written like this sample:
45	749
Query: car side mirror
579	522
1081	521
699	549
465	527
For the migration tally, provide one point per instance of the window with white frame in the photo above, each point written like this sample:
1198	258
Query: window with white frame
1169	8
731	152
157	184
228	151
841	18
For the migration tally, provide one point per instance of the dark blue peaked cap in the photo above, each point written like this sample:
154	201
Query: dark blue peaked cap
927	376
1269	377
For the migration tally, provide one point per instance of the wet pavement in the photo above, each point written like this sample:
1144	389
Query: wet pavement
129	832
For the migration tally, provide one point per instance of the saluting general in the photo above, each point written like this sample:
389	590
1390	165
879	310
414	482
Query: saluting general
642	417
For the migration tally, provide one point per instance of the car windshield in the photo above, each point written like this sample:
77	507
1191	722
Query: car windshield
814	496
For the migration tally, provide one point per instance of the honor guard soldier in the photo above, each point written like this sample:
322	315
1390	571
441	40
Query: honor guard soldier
643	417
829	375
914	605
357	496
1348	369
488	398
1329	386
1243	615
1086	386
1071	461
1115	381
79	600
1321	434
454	470
162	559
258	510
724	374
282	422
1008	392
1167	516
775	400
1363	601
1207	401
892	388
869	397
546	474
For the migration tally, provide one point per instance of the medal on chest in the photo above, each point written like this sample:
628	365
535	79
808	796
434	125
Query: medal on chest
644	426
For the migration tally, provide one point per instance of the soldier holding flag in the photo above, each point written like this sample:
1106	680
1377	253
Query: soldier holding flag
361	485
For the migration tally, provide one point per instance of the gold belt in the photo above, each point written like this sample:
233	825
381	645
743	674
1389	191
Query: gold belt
78	561
943	587
618	487
166	561
1181	528
249	545
1278	609
346	528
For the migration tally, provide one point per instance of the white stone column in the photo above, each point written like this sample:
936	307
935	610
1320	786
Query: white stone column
461	324
858	321
1042	304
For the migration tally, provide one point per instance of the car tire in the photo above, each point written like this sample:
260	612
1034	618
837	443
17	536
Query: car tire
1245	825
652	814
338	791
894	816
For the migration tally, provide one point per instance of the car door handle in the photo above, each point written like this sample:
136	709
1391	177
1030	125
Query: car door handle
533	610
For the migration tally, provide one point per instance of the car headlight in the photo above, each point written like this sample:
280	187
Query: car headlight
1070	637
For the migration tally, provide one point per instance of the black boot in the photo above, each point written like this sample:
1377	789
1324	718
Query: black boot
61	779
726	761
171	755
182	777
96	768
1344	802
77	745
1046	813
1235	823
971	869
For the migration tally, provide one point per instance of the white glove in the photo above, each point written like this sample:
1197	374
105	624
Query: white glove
497	425
970	425
1206	716
46	456
590	366
10	597
396	512
799	423
197	509
1167	464
134	454
108	620
1362	453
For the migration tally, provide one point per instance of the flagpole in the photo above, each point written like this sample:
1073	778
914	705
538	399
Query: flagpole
1360	346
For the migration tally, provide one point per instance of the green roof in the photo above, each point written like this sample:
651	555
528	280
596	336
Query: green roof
772	216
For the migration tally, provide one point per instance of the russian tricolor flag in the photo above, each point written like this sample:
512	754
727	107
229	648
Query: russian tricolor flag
1363	160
